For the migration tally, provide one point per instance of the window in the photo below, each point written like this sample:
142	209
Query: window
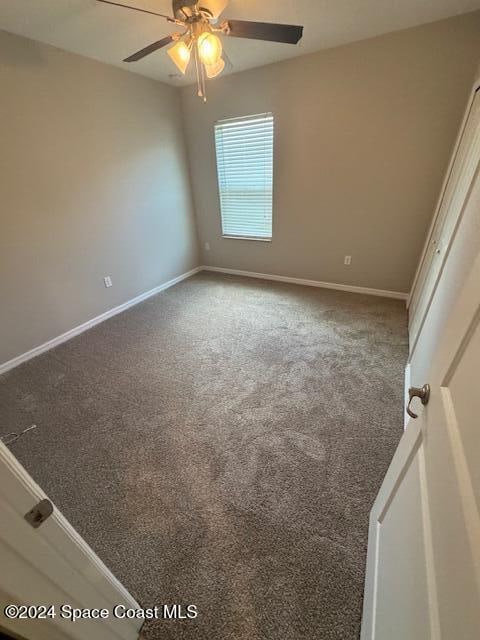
245	175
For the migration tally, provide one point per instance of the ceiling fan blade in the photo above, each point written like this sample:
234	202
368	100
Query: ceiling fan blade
215	7
150	49
287	33
128	6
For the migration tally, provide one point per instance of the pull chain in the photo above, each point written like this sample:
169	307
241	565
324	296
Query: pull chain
200	71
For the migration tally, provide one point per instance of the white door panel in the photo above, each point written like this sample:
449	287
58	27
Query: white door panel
403	577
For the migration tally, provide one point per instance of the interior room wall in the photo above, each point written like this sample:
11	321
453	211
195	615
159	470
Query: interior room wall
363	135
93	182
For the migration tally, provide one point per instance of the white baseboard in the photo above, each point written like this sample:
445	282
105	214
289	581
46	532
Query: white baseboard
36	351
312	283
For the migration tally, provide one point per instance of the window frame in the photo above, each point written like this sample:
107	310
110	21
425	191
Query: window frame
227	236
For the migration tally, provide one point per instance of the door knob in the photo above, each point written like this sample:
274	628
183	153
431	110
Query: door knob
416	392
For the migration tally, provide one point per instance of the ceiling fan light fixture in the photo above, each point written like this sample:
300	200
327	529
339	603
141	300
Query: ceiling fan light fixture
180	53
199	39
209	48
214	70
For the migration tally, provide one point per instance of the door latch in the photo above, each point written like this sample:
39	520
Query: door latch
39	513
415	392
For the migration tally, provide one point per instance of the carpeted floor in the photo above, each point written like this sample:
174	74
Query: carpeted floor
221	445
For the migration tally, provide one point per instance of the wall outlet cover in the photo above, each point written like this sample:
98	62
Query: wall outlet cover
108	281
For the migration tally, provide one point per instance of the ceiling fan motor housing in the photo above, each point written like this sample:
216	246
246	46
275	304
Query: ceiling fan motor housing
187	9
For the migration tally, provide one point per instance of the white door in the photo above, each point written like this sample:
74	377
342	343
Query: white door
423	566
52	565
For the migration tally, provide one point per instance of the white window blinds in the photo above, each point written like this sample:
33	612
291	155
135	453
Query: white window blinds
245	175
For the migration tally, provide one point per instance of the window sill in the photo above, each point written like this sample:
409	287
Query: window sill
247	238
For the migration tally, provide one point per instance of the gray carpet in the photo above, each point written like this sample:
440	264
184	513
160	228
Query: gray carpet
221	445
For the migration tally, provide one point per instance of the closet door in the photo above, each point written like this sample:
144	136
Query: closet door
459	184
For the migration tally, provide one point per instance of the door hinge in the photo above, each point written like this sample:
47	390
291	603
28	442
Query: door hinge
40	512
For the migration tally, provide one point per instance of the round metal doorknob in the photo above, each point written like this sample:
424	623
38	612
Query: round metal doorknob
416	392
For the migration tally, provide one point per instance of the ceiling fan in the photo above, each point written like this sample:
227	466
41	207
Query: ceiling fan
199	40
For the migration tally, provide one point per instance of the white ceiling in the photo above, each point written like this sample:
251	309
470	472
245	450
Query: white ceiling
110	33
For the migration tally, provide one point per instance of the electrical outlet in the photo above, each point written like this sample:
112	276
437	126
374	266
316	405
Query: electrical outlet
108	281
348	260
207	246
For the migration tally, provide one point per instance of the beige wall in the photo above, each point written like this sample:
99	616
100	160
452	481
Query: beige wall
93	182
363	137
